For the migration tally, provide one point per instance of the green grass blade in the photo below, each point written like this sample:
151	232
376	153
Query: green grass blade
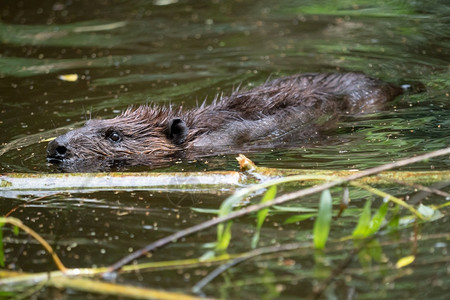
299	218
323	221
362	229
225	238
224	230
377	219
205	210
262	214
295	208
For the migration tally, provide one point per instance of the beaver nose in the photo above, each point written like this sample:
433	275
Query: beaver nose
61	150
57	149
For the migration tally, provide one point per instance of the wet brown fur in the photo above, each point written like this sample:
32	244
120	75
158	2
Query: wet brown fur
288	110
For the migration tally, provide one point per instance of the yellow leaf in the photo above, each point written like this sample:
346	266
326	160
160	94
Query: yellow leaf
47	140
404	261
68	77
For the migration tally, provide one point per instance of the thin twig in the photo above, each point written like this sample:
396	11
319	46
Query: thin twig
219	270
279	200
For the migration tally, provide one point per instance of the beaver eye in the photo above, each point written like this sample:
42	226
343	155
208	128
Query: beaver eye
113	136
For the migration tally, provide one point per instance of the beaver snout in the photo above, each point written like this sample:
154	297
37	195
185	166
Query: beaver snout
57	150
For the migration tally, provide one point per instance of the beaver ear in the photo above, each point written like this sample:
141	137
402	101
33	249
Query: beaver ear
177	131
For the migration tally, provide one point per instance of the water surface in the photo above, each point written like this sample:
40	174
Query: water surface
181	52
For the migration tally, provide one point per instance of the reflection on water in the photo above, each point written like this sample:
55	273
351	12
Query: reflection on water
140	52
135	52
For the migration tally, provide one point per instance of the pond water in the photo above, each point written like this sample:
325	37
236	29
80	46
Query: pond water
63	62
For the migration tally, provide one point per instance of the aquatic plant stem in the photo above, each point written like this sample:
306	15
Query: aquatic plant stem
279	200
388	197
18	223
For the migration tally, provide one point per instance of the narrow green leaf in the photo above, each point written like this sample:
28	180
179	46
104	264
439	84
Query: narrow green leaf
299	209
224	241
262	214
298	218
205	210
377	219
362	229
225	209
323	221
268	196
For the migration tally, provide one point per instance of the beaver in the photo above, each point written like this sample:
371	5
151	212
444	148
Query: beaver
281	112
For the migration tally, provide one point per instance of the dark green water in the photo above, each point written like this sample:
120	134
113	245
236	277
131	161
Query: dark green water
135	52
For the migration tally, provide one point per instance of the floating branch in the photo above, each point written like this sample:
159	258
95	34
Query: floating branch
86	182
12	184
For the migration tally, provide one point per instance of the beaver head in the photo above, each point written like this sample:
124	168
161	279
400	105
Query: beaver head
144	134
